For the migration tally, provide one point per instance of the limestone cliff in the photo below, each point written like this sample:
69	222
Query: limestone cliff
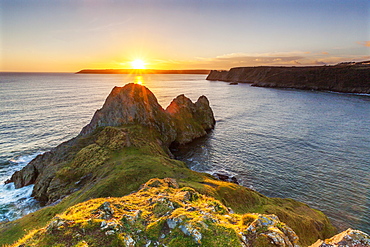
132	104
345	77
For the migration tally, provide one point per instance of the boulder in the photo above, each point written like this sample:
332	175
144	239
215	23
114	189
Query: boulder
225	177
348	238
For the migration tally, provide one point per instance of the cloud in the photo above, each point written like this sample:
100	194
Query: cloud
364	43
325	53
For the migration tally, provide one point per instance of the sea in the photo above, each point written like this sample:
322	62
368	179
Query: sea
311	146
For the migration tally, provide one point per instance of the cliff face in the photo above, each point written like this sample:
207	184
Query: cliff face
351	78
132	104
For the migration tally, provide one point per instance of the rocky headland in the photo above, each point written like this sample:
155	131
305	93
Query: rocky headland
129	116
116	184
343	77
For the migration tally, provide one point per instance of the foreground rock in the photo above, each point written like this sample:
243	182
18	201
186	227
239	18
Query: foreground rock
348	238
161	214
345	77
133	104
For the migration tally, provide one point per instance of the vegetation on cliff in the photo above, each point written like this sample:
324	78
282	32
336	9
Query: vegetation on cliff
160	214
344	77
120	151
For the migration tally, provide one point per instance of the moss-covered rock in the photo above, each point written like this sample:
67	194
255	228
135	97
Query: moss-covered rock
160	214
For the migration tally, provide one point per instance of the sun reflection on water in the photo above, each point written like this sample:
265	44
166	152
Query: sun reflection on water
139	79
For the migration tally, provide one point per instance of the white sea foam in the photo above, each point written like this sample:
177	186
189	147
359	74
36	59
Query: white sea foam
16	164
14	203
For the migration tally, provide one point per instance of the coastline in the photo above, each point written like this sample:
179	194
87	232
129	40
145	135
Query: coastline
344	77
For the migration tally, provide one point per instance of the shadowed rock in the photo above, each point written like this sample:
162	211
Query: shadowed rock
191	120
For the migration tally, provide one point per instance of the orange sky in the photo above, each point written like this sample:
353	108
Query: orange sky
67	36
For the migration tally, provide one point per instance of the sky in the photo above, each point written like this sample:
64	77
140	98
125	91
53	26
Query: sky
70	35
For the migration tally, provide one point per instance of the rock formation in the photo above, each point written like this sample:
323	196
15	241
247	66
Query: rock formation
132	104
344	77
348	238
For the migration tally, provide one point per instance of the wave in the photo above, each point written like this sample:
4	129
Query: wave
15	203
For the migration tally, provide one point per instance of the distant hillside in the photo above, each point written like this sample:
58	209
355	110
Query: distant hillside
344	77
142	71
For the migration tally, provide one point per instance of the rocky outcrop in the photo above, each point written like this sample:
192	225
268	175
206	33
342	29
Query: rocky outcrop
347	77
182	121
191	120
161	214
348	238
130	105
133	104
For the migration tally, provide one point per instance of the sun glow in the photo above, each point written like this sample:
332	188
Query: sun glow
138	64
139	79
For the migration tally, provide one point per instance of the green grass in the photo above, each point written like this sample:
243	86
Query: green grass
115	172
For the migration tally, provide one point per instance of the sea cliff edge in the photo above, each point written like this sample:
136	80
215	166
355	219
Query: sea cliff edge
343	77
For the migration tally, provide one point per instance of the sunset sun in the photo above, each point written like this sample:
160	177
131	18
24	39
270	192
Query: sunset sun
138	64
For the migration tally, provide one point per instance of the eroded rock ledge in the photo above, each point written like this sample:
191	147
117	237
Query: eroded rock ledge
344	77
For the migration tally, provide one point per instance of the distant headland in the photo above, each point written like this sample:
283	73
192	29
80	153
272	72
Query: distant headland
143	71
347	77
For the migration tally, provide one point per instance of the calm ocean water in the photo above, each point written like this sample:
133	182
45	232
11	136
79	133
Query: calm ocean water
310	146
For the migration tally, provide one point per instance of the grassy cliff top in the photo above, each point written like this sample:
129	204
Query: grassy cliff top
160	214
